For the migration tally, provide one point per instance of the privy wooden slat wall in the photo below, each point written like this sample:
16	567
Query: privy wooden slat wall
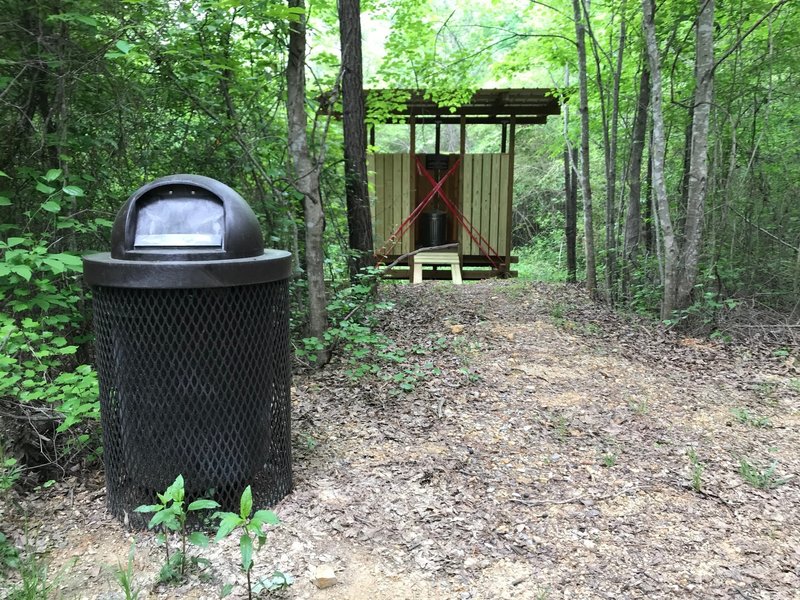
390	198
484	200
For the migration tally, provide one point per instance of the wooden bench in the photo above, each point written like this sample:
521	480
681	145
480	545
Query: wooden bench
437	258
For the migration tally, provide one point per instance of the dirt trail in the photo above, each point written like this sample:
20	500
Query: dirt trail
540	452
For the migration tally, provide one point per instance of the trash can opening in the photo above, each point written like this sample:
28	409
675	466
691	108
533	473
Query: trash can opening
177	217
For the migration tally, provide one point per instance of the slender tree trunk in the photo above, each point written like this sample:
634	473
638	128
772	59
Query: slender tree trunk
698	166
571	211
671	250
649	217
570	194
611	169
633	217
586	190
306	177
355	137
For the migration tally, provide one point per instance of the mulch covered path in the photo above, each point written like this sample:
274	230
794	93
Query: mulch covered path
532	445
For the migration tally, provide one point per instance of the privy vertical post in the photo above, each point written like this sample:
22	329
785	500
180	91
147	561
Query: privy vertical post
462	150
412	186
506	267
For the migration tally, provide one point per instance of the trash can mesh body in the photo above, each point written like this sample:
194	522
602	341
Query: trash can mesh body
194	382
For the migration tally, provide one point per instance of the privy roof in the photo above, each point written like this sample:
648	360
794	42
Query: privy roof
527	106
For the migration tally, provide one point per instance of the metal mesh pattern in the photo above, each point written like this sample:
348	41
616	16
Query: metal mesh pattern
194	382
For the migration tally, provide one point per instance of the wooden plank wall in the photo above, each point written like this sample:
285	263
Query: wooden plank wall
390	198
485	200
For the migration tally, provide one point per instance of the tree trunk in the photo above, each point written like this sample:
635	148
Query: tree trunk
306	178
359	222
586	190
633	217
698	165
571	211
611	169
570	194
671	251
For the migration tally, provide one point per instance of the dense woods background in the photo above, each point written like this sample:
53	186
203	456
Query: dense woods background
679	127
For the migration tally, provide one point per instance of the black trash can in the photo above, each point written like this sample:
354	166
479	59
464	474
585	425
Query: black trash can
192	349
434	228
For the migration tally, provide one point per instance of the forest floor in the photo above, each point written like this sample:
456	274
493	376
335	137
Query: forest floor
546	448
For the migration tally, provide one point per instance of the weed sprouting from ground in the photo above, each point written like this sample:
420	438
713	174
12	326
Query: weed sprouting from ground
764	479
746	418
697	469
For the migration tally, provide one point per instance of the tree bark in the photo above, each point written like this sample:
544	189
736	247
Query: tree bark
611	168
306	178
661	200
571	211
570	194
586	190
698	164
633	217
359	222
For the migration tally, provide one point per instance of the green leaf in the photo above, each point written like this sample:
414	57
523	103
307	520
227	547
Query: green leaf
162	516
175	491
73	190
266	516
246	503
52	175
4	174
203	504
246	548
51	206
23	271
228	522
148	508
4	201
198	538
14	241
124	46
45	189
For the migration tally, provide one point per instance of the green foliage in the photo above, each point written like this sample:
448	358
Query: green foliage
609	459
746	418
764	479
170	515
10	471
9	556
542	261
36	582
251	527
41	297
125	577
697	469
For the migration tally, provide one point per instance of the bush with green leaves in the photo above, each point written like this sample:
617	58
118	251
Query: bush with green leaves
170	515
42	312
353	312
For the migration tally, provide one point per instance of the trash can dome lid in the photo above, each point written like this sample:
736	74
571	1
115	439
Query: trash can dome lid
185	217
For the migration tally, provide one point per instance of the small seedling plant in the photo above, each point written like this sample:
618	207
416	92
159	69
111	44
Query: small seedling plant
697	470
252	530
763	479
125	577
171	516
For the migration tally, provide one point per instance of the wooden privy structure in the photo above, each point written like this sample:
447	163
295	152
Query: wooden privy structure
423	200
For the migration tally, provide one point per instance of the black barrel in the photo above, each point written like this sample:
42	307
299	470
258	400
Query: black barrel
434	228
192	348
